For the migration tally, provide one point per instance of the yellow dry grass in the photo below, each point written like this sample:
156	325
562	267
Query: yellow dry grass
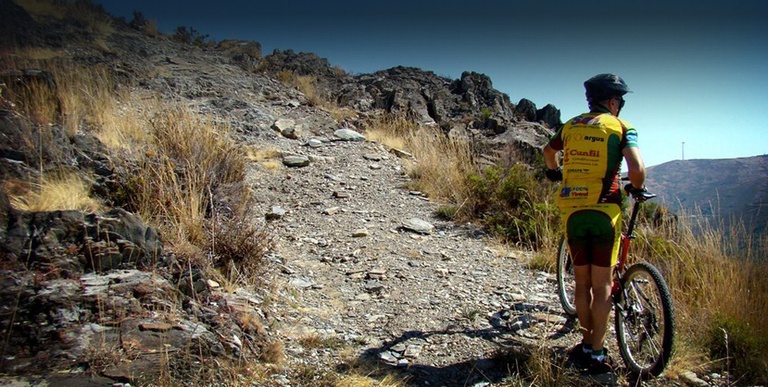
442	164
716	287
60	191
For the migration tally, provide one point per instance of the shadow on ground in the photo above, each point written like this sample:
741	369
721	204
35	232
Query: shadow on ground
516	361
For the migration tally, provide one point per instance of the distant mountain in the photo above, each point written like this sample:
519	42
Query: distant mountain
723	189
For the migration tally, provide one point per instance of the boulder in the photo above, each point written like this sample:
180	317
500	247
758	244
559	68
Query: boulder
77	242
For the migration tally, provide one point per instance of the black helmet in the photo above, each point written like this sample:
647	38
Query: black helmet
603	86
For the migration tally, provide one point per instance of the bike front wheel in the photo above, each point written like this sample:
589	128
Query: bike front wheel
566	286
645	321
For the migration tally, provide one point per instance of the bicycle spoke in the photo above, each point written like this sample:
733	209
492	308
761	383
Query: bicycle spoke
645	310
565	279
645	321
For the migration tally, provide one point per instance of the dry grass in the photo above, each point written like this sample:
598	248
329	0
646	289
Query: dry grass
307	84
267	158
717	294
88	95
544	371
390	130
262	154
367	381
190	157
76	96
342	114
720	297
357	372
237	243
442	164
183	158
58	191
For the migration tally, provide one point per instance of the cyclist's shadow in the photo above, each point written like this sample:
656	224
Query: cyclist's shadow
506	363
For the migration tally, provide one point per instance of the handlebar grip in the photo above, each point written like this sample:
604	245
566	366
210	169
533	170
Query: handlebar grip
640	194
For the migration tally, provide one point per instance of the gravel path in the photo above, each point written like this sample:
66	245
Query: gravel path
441	305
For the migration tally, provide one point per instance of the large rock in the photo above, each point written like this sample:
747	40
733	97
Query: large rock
78	242
526	109
550	116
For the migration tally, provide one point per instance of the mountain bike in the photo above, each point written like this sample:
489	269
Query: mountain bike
643	309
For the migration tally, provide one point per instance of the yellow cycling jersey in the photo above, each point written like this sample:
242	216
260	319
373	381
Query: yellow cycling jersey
592	146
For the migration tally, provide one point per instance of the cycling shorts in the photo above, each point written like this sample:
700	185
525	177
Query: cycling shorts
593	233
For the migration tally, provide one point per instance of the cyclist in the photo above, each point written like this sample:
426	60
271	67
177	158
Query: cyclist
593	146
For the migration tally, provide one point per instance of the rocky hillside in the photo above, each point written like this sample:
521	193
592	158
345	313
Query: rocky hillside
722	189
362	279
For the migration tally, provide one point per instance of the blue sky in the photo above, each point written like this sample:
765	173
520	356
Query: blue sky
698	69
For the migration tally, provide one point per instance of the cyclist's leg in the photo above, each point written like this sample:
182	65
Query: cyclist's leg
583	300
605	247
578	244
591	238
601	304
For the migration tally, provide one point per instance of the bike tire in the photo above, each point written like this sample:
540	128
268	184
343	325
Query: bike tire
645	321
565	279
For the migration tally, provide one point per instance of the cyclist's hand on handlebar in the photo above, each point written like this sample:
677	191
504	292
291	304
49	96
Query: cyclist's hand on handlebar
632	191
554	174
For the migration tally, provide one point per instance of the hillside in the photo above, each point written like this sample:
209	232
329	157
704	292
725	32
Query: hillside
720	189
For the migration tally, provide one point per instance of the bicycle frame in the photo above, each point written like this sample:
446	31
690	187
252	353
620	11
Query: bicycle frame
626	238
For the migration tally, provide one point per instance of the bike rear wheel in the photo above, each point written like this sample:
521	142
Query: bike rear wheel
645	321
565	279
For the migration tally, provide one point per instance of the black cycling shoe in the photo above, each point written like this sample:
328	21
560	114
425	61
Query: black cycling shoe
596	367
579	358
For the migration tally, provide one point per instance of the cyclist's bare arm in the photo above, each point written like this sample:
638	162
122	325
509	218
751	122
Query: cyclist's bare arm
635	166
550	157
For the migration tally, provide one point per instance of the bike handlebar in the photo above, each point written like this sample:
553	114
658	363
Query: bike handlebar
640	195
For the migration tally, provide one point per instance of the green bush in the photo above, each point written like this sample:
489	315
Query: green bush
515	205
190	36
740	348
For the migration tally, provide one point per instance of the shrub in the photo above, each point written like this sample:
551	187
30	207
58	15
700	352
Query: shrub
190	36
740	348
239	250
515	206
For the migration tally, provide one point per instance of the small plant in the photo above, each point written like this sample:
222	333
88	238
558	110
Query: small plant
448	211
239	248
486	113
316	341
85	13
190	36
737	348
470	314
139	22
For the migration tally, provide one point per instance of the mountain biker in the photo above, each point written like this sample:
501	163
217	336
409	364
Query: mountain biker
593	146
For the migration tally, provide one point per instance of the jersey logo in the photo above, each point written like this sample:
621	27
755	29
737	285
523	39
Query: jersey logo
594	139
590	153
586	120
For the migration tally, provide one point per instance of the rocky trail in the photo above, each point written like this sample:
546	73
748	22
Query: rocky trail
437	302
